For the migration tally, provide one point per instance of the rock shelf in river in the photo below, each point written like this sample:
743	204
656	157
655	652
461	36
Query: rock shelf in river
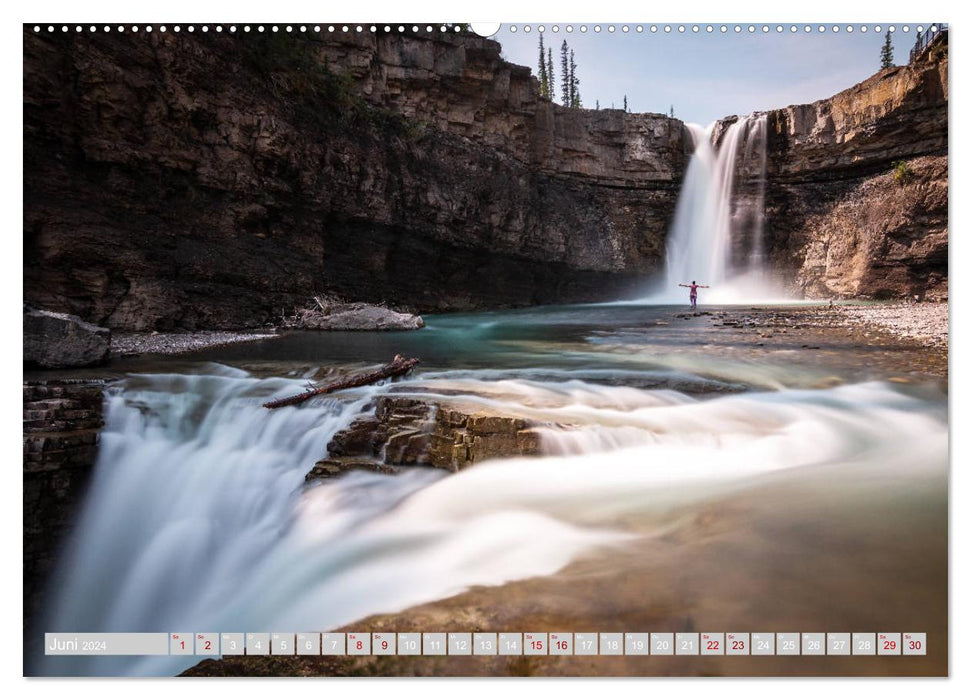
411	432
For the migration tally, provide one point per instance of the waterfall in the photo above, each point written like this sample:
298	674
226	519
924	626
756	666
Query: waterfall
712	222
197	520
192	491
756	150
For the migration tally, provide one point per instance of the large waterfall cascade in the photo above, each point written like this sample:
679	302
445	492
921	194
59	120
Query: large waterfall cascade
717	234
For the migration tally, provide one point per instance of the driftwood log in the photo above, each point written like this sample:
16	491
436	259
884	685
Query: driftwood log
398	366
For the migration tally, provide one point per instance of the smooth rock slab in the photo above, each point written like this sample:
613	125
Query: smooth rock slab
360	317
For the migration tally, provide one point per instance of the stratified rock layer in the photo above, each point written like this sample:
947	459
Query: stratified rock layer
886	237
407	432
62	419
218	181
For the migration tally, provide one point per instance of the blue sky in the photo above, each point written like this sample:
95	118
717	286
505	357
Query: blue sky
709	76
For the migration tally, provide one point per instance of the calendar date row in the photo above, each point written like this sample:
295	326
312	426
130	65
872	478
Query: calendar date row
491	643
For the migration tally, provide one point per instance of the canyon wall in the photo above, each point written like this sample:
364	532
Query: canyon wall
216	181
857	187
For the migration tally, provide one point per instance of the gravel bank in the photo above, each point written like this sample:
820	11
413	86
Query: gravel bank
123	344
925	323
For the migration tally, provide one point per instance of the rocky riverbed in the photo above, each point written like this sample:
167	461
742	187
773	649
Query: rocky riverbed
923	323
909	341
123	344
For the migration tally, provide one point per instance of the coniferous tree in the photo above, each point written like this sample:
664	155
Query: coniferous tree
625	104
550	75
672	111
574	83
544	88
597	107
573	91
886	53
565	74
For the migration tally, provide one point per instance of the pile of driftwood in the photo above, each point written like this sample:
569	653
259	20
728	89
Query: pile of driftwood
398	366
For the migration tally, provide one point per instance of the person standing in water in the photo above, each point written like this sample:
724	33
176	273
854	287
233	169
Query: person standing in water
693	293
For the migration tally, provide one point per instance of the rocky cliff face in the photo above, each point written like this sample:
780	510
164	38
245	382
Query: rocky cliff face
856	195
62	419
217	181
182	181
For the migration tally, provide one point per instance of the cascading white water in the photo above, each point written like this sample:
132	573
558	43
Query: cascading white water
197	521
756	149
707	217
193	489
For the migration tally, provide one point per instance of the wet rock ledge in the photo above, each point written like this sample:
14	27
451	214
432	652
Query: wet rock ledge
408	432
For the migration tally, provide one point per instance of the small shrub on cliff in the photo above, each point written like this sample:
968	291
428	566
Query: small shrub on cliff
273	53
292	68
902	172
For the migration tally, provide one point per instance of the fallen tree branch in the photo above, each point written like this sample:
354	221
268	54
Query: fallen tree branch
398	366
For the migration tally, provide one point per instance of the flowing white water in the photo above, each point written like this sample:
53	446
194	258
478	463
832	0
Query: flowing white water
756	149
197	520
710	216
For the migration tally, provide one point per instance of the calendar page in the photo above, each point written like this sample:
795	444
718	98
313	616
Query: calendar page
465	349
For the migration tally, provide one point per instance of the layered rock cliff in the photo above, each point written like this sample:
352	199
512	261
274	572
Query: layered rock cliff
857	186
177	181
62	421
189	181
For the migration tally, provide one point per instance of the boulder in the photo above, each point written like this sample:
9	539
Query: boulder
53	340
359	317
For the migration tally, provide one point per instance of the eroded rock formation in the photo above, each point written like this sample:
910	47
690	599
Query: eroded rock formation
857	191
411	432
